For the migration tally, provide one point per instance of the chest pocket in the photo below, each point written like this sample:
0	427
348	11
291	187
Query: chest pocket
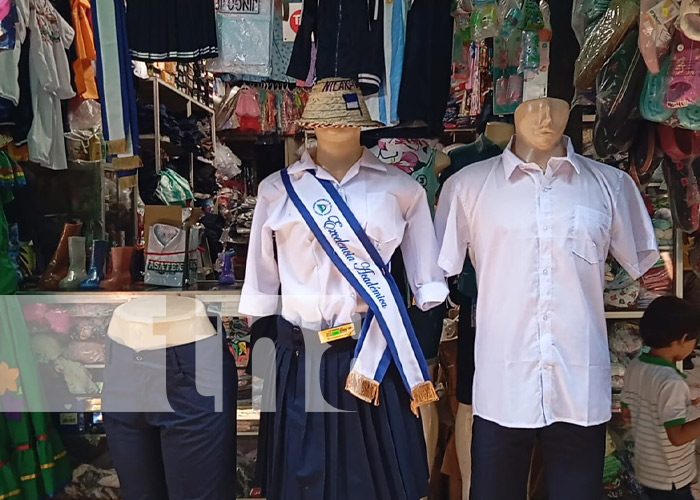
590	232
384	224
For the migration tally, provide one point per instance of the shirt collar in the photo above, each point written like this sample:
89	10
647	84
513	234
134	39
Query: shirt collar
367	160
656	360
512	162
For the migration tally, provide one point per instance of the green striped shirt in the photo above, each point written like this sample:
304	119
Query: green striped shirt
658	397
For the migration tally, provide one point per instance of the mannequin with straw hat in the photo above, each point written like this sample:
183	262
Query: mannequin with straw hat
324	228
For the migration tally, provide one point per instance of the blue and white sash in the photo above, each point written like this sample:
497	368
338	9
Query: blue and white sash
387	333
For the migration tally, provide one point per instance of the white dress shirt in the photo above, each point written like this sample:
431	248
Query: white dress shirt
393	211
538	241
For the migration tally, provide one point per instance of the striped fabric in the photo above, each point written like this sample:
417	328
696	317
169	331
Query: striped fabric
658	397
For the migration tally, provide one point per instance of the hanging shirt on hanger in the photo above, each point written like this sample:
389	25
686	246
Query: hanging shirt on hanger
50	82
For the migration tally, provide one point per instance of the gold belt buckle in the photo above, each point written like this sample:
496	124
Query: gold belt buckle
337	333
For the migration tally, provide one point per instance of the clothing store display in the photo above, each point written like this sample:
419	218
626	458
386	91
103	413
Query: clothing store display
349	42
115	82
244	40
575	242
572	455
160	30
149	424
226	277
96	272
84	72
657	27
76	268
336	102
50	81
58	266
658	398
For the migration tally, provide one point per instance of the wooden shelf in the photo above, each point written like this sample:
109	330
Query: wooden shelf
148	141
174	99
624	314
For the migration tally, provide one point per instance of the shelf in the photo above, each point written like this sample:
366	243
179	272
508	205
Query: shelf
96	366
174	99
624	314
248	434
149	141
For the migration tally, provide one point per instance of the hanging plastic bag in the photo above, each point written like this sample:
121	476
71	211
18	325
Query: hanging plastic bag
509	14
531	17
619	86
173	189
605	37
656	28
530	53
484	20
584	14
227	164
683	82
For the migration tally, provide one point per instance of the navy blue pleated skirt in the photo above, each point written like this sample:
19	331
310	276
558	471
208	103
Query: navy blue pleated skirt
364	452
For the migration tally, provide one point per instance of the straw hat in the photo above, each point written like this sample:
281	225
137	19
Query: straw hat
336	102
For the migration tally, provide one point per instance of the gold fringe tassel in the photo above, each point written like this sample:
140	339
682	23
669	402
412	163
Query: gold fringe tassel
10	494
363	387
422	394
116	147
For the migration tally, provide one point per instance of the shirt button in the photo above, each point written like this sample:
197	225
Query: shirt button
545	272
139	358
545	317
545	228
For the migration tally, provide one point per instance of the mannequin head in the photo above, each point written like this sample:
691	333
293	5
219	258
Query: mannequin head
338	149
540	124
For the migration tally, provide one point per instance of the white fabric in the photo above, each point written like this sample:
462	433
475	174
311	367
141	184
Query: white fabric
392	209
165	255
538	242
9	59
50	82
658	397
355	258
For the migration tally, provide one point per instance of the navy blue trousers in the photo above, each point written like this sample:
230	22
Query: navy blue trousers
681	494
572	455
187	450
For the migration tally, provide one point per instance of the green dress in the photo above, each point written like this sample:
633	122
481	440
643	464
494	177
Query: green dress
33	462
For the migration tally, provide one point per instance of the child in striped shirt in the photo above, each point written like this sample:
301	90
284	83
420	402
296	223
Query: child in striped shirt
656	397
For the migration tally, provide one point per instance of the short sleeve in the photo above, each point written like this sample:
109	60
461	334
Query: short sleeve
452	229
673	402
632	239
261	287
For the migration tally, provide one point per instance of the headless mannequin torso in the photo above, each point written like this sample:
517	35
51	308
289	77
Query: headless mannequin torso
499	133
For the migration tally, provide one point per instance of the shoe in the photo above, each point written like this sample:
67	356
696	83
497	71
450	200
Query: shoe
58	267
76	270
226	277
120	277
96	273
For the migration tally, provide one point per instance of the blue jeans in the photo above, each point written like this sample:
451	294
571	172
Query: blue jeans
682	494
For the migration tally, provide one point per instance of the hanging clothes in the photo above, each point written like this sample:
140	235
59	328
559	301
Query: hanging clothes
244	39
9	59
85	82
384	106
49	78
116	87
171	30
349	42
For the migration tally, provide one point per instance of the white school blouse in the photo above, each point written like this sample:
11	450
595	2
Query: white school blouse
393	211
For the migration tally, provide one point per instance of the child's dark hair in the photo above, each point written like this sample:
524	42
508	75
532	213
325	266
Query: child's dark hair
667	319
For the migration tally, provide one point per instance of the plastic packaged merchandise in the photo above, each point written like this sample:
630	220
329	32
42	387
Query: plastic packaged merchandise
584	14
227	164
509	14
484	21
619	86
620	16
656	28
173	189
530	53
